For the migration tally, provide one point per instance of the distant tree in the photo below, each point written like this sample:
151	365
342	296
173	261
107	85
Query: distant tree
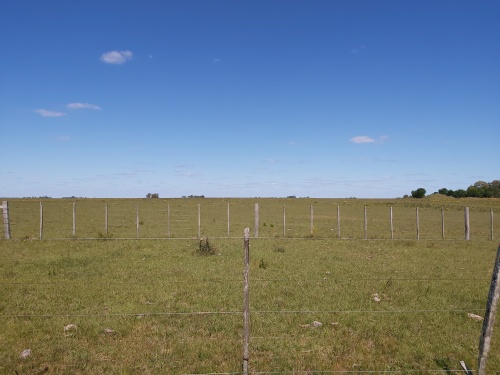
443	191
154	195
495	188
419	193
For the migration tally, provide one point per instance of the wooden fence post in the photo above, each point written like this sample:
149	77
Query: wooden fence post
442	222
168	220
137	221
6	220
392	227
366	223
338	221
491	223
106	220
312	220
74	220
489	317
284	221
246	300
199	222
467	223
256	229
228	225
41	220
417	218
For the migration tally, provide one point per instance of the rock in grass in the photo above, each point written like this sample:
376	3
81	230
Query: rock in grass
25	353
317	324
109	331
70	327
475	317
376	297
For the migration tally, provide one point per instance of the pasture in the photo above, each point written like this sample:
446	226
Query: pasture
290	218
153	306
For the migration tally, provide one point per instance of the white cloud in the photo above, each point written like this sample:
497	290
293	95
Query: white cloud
362	139
48	113
189	174
83	106
358	49
116	57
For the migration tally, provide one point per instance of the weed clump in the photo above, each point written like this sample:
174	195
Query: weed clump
263	264
104	236
205	248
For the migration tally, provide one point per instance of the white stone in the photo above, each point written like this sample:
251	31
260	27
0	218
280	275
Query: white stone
25	353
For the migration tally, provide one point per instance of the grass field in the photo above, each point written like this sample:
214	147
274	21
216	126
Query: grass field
178	218
154	306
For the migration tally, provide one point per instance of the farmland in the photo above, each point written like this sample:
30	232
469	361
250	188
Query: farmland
151	305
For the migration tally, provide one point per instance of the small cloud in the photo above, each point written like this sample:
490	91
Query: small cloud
216	60
383	138
188	174
83	106
48	113
116	57
64	138
362	139
291	143
358	49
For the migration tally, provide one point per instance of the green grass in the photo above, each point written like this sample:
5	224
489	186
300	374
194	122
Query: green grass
151	293
175	312
155	221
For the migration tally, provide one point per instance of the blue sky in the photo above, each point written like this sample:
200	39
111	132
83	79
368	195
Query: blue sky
261	98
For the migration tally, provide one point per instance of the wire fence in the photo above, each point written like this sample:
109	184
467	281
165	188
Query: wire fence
302	321
217	218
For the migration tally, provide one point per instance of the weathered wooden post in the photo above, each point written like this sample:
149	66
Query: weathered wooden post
392	227
338	221
442	222
74	220
467	223
417	218
137	221
491	223
199	222
246	300
106	220
41	220
489	317
366	223
256	229
312	220
168	220
6	221
284	221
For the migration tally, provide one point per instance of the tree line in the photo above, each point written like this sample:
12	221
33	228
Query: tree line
480	189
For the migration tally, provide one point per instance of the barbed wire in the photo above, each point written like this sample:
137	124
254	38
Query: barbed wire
235	312
308	372
287	280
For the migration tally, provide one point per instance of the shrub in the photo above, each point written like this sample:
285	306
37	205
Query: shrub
205	248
